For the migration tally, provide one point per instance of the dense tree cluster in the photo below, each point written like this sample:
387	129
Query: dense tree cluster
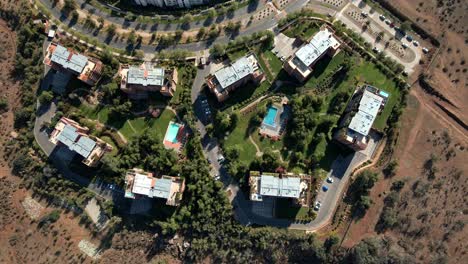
359	189
146	152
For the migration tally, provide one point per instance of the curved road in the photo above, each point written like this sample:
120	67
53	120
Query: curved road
262	25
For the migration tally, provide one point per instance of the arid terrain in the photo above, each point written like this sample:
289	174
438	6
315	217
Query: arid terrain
22	238
447	21
432	149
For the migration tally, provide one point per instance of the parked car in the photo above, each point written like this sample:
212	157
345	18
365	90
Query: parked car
388	22
376	50
324	188
404	45
317	205
392	25
416	43
364	14
382	17
409	38
217	177
425	50
330	180
221	158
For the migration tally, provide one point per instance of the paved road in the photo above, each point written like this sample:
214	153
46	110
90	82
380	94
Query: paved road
239	14
262	25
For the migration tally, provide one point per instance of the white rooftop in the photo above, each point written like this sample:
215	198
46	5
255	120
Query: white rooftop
151	187
236	71
142	184
145	77
68	60
280	187
368	109
319	44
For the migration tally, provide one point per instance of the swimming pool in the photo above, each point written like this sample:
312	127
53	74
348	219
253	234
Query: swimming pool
384	94
270	116
172	132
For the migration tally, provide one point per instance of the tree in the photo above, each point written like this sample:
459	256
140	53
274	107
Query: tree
405	26
46	97
211	13
201	33
111	29
3	105
218	50
68	6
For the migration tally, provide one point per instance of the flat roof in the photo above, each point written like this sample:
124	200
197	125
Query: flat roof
145	77
80	144
151	187
280	187
69	60
368	109
142	184
319	44
236	71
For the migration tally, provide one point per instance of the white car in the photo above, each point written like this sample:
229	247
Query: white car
217	177
317	205
330	180
404	45
364	14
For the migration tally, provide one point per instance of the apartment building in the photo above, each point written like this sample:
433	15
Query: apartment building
70	134
227	79
87	69
139	183
301	64
357	121
138	80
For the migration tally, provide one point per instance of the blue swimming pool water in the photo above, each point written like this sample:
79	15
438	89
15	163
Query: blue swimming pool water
172	132
384	94
270	117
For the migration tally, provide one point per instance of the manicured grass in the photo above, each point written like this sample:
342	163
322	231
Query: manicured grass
265	68
156	126
245	92
275	64
240	136
323	67
284	209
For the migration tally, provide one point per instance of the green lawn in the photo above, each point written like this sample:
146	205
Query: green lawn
284	209
275	64
156	126
239	136
270	64
323	67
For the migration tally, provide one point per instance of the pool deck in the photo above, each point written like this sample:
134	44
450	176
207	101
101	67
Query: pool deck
181	136
281	117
